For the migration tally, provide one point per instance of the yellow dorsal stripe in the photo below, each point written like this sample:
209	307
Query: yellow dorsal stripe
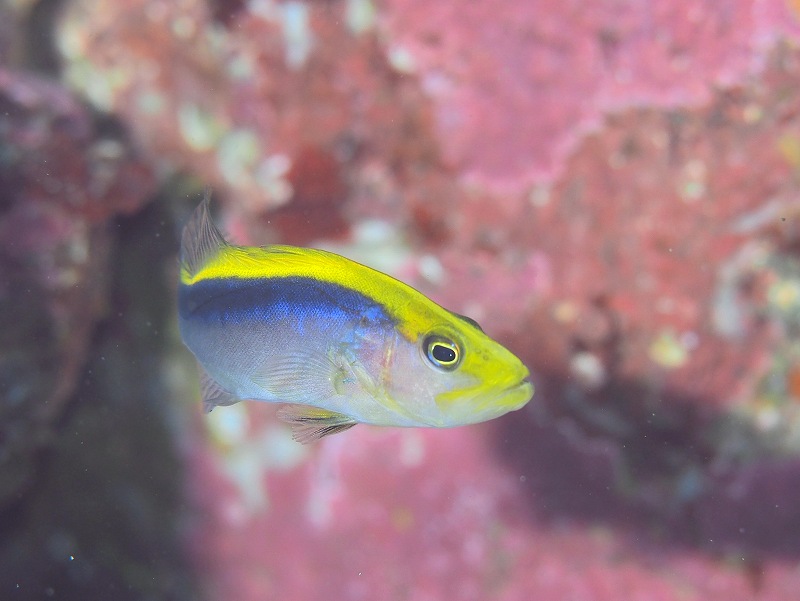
414	312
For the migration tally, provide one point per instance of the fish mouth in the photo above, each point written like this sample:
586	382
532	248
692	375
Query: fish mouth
524	381
516	395
482	405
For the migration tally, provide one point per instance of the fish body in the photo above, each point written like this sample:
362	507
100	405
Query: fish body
338	342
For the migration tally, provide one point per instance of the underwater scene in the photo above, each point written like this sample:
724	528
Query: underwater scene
547	349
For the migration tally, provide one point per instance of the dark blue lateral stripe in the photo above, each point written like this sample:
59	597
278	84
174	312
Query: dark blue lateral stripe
272	298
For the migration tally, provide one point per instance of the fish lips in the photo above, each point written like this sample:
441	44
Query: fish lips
507	399
517	395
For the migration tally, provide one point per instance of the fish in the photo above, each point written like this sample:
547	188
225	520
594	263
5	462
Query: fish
335	342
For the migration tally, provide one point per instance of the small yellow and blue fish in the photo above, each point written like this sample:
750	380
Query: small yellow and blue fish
337	342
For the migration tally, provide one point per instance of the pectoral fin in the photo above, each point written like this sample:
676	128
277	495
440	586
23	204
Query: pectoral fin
311	423
213	394
294	377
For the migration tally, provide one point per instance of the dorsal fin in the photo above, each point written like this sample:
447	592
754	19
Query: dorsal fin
201	239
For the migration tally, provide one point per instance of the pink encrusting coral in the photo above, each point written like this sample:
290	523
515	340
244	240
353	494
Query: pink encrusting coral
279	92
516	86
610	189
409	514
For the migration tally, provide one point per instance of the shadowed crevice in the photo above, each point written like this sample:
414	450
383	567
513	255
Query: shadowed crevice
654	467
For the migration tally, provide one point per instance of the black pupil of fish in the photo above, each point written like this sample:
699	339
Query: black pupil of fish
443	354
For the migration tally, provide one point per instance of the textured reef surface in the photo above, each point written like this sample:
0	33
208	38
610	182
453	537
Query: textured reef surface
61	177
612	189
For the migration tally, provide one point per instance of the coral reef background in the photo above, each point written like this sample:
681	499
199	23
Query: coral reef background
612	189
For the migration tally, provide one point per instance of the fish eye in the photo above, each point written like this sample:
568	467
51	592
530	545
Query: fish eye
442	352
